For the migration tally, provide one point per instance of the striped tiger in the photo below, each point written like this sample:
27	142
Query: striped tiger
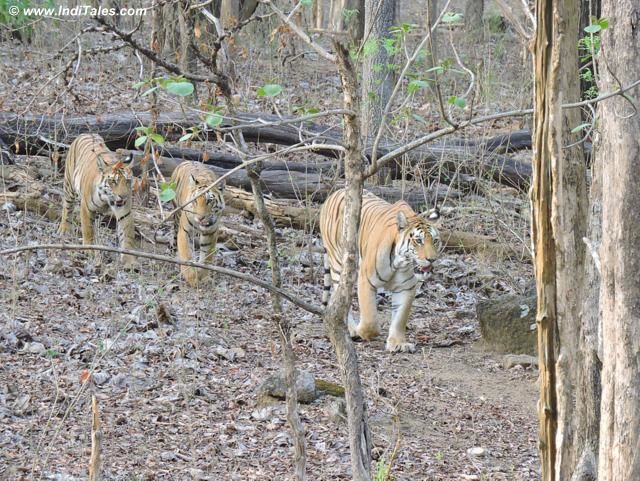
396	250
200	216
103	182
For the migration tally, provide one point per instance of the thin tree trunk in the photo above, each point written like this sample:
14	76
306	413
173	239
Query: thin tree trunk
336	312
543	241
620	251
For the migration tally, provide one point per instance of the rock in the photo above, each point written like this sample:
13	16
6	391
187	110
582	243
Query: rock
276	387
523	360
508	324
330	388
101	377
336	410
477	452
35	348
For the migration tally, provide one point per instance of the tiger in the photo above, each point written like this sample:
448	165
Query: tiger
200	213
396	249
103	182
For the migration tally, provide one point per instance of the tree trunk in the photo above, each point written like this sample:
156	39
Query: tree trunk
474	29
620	251
336	311
377	79
542	235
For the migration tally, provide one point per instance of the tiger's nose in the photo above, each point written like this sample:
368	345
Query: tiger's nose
119	202
207	221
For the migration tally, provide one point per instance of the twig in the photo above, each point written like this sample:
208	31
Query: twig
318	49
95	473
171	260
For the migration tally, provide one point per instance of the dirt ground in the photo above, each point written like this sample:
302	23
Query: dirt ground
176	370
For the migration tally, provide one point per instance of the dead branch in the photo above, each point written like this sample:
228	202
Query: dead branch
172	260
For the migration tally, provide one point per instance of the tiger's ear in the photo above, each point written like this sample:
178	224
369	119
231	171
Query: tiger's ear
192	181
128	160
432	215
221	186
401	220
102	166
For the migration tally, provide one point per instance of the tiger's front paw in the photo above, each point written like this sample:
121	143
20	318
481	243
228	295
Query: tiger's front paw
362	331
130	263
400	345
64	229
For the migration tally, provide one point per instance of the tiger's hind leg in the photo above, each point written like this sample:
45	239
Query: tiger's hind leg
401	303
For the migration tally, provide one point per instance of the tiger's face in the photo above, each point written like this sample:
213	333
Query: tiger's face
205	211
115	187
417	246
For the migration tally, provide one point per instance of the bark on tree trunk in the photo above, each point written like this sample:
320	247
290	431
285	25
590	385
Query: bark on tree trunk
620	251
377	79
543	241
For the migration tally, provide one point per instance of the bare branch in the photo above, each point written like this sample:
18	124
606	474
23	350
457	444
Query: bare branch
298	31
252	279
219	80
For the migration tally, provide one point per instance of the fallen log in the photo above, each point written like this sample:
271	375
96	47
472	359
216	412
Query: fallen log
32	195
285	184
35	133
6	157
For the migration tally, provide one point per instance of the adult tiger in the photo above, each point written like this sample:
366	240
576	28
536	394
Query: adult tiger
201	212
103	182
397	248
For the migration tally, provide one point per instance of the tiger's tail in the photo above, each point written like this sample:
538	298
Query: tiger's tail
327	281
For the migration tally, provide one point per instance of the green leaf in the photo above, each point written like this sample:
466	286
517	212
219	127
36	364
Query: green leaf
214	119
370	47
457	101
594	28
143	129
269	90
580	127
137	85
604	23
451	17
181	88
167	191
157	138
415	85
306	3
147	92
140	141
185	137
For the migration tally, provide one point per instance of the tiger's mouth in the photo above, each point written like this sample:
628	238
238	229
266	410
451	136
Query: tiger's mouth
423	269
119	203
422	272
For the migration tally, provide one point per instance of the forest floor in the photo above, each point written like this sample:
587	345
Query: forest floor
176	370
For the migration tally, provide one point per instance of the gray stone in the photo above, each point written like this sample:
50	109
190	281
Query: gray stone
512	360
276	386
508	324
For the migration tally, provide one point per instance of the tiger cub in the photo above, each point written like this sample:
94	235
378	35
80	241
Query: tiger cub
200	216
103	182
396	249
